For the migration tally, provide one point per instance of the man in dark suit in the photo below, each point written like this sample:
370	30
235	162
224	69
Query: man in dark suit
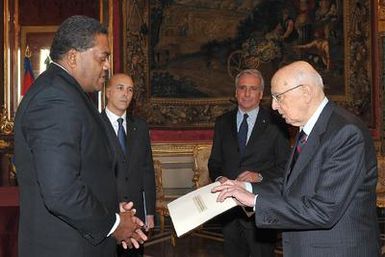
135	173
261	156
326	204
65	167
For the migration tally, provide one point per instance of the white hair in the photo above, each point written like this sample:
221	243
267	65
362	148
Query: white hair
253	72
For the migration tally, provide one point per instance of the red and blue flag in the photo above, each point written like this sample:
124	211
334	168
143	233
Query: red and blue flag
28	75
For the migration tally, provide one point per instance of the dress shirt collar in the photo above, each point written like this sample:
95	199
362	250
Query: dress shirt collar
252	117
250	120
114	119
313	119
60	66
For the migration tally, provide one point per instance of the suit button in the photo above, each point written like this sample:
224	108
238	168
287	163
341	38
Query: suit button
126	178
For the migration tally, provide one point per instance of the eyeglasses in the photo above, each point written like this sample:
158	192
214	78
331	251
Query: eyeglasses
277	97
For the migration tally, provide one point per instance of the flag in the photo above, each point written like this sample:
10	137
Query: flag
28	75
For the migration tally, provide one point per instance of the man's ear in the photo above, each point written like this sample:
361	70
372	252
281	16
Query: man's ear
108	91
72	57
261	96
308	93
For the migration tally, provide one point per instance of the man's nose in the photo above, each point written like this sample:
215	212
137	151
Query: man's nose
248	91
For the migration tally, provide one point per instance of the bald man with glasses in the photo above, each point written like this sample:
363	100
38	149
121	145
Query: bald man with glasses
326	204
277	97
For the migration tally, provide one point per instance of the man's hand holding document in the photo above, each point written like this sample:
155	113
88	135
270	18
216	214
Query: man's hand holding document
195	208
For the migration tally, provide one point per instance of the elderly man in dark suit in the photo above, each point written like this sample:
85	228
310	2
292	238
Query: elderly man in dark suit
326	204
68	201
130	137
249	145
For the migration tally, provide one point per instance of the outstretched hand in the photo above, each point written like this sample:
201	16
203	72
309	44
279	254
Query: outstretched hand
236	190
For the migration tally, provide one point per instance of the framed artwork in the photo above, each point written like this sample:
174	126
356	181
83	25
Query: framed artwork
184	54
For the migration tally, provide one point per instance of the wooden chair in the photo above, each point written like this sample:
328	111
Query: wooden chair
380	190
161	209
201	155
161	204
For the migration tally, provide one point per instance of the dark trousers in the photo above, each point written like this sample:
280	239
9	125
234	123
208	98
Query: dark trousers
243	239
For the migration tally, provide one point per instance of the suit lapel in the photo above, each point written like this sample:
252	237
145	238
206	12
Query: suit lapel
259	126
233	127
131	131
112	135
311	146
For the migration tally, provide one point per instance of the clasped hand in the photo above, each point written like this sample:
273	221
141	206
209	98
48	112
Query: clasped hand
129	231
250	176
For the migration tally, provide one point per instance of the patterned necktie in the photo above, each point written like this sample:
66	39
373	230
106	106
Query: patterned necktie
242	134
121	135
301	141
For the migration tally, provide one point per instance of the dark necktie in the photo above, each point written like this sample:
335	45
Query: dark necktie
242	134
301	141
121	135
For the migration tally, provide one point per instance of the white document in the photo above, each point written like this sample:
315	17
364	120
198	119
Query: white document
195	208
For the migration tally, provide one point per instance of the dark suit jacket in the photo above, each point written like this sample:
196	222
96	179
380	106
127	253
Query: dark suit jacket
328	204
135	172
267	151
65	172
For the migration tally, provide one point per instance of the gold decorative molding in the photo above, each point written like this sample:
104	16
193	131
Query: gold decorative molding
176	149
381	15
172	149
4	144
6	125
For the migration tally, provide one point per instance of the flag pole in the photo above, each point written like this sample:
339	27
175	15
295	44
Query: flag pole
28	72
28	52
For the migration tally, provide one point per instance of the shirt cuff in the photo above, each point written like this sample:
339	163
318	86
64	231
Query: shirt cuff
218	178
115	226
255	201
248	187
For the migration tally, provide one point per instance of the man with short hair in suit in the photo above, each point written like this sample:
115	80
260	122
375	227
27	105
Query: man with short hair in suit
65	166
258	156
326	205
135	173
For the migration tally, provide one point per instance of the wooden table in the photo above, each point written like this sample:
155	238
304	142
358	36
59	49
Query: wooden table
9	219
